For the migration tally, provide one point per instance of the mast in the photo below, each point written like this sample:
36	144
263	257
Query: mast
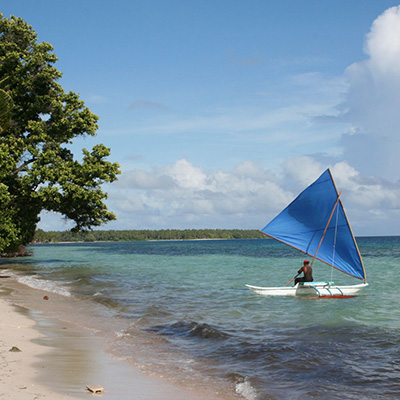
326	227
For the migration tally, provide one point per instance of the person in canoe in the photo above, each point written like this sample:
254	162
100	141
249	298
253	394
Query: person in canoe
306	269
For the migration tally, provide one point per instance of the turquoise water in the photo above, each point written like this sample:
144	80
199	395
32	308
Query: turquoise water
183	305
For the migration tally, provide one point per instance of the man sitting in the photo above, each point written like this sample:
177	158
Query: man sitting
307	271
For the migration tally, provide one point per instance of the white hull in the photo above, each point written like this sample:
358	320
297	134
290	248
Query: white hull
310	289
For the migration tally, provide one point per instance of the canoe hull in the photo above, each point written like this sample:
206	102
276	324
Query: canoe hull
310	289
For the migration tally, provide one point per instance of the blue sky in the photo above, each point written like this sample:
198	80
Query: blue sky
220	112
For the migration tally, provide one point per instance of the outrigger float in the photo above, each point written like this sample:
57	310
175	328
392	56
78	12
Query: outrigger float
316	289
316	224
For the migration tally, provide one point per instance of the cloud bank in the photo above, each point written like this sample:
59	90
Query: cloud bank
372	104
182	195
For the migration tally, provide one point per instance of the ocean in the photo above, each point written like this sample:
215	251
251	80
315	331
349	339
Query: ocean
180	310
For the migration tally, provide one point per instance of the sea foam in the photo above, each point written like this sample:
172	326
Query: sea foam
43	284
245	390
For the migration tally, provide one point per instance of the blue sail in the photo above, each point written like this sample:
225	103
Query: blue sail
303	224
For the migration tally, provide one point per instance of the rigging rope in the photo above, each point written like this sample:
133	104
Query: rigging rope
334	242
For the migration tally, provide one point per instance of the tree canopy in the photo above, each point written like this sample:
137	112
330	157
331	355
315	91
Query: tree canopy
38	170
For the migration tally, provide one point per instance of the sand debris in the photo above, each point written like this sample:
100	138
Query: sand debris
95	389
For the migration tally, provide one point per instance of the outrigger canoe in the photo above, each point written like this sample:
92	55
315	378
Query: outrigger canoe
316	224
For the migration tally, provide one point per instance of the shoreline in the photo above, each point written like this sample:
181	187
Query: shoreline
59	358
136	241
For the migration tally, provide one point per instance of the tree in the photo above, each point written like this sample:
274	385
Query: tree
37	168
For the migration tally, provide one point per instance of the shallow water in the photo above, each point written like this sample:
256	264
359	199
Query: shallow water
181	309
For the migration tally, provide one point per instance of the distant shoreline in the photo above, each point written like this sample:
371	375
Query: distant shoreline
42	237
163	235
149	240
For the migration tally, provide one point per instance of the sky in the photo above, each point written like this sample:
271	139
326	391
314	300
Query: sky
220	112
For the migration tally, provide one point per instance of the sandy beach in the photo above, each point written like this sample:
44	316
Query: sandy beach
43	357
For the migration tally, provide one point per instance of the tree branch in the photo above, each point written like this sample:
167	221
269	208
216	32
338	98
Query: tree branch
22	166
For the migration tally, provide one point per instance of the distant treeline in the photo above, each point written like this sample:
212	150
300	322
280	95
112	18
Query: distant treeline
142	235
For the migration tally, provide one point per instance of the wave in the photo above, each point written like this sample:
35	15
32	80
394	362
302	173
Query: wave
246	390
243	386
36	282
190	329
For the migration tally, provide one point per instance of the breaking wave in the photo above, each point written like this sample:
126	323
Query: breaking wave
190	329
49	286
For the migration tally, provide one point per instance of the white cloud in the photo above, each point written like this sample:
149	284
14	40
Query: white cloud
345	175
383	43
182	195
144	180
373	101
52	221
303	170
186	175
370	194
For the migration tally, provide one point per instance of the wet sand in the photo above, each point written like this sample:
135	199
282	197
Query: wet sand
58	359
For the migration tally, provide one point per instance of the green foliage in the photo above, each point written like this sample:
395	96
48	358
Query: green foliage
37	169
143	235
6	105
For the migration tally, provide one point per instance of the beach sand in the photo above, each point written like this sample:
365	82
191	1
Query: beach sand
58	359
